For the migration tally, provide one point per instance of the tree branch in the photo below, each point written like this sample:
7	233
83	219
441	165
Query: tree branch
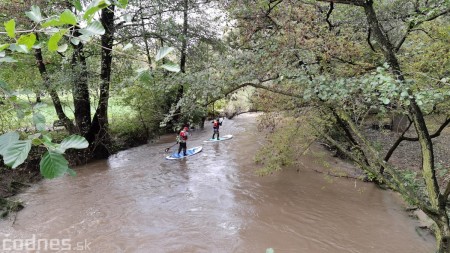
258	85
436	134
394	147
330	25
368	39
447	191
413	24
349	2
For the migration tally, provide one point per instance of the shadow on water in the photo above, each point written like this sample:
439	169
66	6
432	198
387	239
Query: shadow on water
136	201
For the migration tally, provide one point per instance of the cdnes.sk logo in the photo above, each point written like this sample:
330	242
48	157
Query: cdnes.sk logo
8	243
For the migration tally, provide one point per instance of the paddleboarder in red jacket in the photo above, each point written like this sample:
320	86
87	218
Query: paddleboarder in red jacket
182	139
216	125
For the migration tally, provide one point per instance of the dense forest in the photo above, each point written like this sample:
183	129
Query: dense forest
80	80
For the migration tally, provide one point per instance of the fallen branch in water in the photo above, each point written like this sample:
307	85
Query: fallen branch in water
338	175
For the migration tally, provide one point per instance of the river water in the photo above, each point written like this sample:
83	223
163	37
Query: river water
136	201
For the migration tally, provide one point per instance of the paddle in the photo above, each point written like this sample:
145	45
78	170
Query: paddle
167	149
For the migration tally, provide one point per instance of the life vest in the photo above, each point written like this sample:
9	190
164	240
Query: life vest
183	136
216	124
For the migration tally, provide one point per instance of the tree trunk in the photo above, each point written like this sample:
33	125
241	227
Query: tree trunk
414	110
184	42
38	96
98	135
144	36
53	94
443	235
81	99
184	39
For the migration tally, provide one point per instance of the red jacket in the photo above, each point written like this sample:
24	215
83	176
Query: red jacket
183	136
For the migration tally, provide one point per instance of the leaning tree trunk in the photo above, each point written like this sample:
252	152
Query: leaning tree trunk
437	202
98	135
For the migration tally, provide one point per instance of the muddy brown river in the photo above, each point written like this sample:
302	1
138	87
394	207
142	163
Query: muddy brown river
136	201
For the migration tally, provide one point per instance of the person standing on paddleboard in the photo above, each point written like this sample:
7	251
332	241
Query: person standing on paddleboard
216	125
182	139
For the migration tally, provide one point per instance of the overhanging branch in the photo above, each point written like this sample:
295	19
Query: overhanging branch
259	85
394	147
349	2
436	134
413	25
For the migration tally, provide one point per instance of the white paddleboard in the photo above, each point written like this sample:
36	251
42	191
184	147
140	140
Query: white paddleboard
223	138
189	152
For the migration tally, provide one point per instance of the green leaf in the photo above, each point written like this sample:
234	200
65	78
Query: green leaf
10	28
172	67
6	140
122	3
54	39
7	59
18	48
36	142
3	47
127	46
47	139
73	141
103	4
67	17
16	153
71	172
20	114
75	41
34	136
89	14
27	40
53	165
39	106
38	46
94	28
34	14
93	7
39	121
52	22
77	5
62	48
3	85
84	38
163	52
145	76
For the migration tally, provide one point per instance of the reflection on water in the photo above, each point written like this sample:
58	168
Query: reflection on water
212	202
